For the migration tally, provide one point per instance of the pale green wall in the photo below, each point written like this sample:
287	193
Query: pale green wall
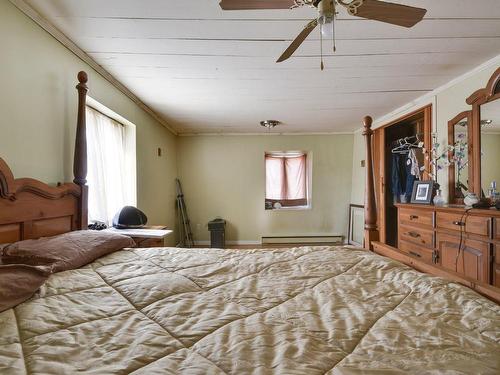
358	172
38	106
446	105
224	176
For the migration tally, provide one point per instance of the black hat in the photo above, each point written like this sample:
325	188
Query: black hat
129	217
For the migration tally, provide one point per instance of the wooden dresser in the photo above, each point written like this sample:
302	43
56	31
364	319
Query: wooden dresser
434	236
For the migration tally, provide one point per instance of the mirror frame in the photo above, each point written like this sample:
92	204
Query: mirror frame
451	141
482	96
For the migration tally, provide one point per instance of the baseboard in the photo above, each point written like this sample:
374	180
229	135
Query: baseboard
232	243
319	239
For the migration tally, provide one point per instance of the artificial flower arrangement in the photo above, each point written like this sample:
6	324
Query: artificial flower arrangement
442	157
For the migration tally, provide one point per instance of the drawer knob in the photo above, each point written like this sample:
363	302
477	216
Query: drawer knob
413	234
459	223
413	217
415	254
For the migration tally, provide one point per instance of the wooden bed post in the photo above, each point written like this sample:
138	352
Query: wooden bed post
80	158
371	230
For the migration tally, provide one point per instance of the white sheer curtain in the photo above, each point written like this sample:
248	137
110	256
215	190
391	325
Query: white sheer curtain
110	178
286	179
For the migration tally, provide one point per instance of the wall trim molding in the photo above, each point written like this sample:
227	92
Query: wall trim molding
34	15
201	134
429	98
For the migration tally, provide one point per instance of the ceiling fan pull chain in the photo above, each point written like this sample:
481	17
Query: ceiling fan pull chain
321	45
333	32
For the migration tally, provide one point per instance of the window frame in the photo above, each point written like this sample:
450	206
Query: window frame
130	140
308	177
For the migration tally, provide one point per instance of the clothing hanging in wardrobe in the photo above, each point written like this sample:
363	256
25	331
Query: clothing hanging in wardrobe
405	168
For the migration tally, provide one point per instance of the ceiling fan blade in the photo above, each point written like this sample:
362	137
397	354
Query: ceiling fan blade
298	40
255	4
396	14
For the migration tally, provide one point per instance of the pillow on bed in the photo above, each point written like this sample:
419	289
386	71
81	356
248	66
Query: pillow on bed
19	282
66	251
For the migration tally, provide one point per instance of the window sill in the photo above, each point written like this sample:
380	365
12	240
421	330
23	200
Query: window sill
294	208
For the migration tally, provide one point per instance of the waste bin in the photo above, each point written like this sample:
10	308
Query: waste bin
217	228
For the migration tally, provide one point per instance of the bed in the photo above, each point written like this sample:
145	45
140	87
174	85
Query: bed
306	310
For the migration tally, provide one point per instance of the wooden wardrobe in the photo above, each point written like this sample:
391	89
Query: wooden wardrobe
454	241
418	122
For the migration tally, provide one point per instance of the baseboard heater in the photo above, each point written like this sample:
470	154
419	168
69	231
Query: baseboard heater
303	239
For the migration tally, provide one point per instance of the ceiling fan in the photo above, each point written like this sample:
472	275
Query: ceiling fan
395	14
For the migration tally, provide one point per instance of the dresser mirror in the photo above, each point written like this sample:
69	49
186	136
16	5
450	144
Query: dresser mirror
459	135
484	140
490	148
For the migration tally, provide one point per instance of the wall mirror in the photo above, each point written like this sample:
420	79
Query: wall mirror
486	136
459	138
490	147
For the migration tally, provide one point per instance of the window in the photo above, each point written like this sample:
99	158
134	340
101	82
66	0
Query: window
287	180
111	165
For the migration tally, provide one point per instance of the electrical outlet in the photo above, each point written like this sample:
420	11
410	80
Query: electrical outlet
198	228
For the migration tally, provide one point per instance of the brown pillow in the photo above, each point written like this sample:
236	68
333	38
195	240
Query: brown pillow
19	282
66	251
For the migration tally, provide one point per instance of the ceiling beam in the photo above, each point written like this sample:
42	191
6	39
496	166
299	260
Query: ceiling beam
69	44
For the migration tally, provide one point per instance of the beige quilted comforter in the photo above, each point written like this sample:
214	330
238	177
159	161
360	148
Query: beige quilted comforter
310	310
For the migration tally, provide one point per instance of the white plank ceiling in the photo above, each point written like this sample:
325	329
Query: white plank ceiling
208	71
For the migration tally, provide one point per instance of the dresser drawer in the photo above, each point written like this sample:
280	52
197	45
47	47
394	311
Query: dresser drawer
479	225
410	216
418	252
470	258
497	229
417	235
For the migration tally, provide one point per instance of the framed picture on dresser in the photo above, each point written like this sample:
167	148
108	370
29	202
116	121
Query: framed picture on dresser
422	192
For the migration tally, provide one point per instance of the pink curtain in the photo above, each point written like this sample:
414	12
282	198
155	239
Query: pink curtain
286	179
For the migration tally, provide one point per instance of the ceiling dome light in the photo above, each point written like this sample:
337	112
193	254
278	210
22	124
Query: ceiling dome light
270	124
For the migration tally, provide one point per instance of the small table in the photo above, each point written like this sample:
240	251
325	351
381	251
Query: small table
152	236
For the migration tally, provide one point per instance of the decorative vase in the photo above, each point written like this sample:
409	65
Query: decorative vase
435	188
471	199
438	199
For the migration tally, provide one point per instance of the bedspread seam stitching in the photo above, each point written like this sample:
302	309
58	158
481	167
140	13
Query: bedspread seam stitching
20	341
80	323
369	329
143	314
175	273
279	304
255	273
219	285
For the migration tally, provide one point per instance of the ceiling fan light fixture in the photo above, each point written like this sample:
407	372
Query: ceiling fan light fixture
270	124
326	9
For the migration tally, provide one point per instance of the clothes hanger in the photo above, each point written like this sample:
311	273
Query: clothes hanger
404	144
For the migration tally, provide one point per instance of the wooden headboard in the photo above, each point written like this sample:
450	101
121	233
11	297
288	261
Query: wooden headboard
32	209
